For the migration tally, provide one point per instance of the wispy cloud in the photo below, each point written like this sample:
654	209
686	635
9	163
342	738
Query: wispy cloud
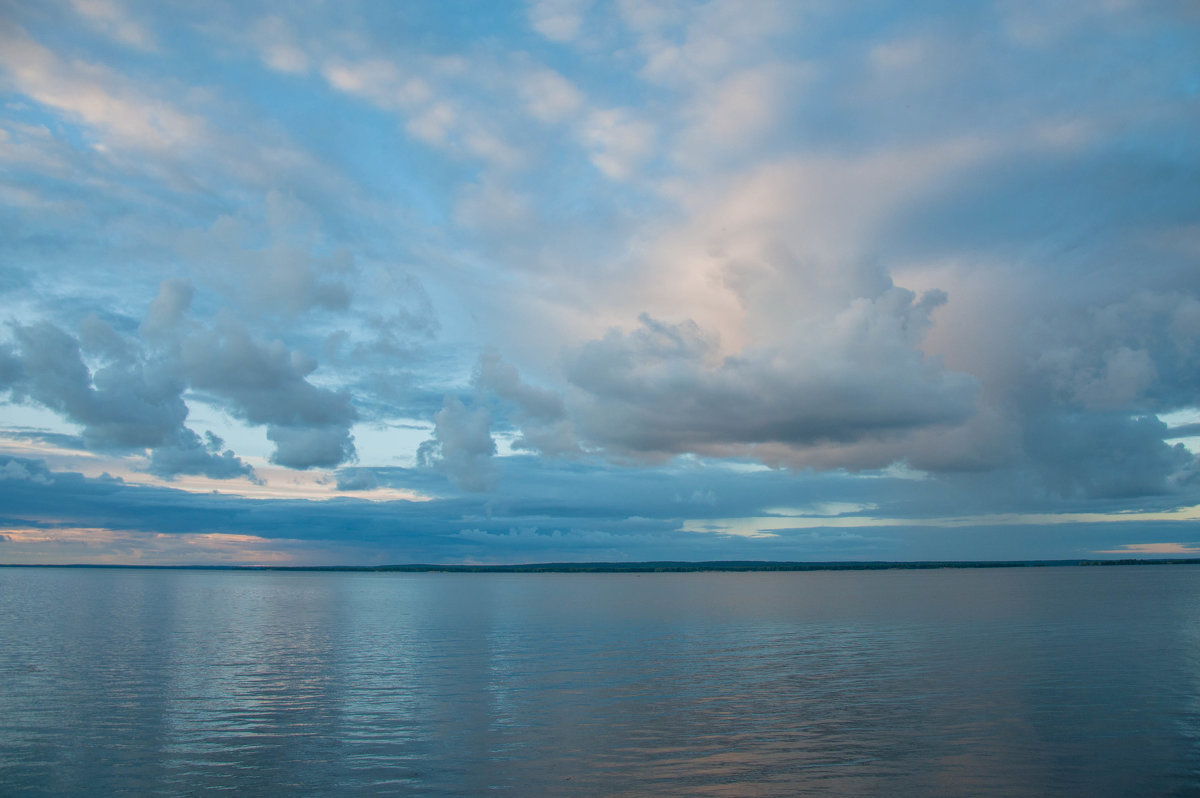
1154	548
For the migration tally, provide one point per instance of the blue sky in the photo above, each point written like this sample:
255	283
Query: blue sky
563	280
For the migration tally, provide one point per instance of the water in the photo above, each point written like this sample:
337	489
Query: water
1059	681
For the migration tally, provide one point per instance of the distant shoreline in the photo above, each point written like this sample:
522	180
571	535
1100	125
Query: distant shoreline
665	566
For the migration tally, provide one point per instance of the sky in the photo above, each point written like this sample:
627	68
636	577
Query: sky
319	283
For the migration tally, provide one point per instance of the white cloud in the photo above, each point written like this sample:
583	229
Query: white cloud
281	263
717	37
118	111
278	47
549	96
483	144
557	20
619	142
900	54
462	446
379	81
492	207
433	126
113	20
733	115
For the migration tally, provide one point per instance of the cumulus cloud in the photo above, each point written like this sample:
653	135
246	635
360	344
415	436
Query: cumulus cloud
278	262
662	389
462	446
129	402
27	470
132	400
311	447
121	405
357	479
1106	455
99	338
1134	352
266	383
185	453
170	304
541	414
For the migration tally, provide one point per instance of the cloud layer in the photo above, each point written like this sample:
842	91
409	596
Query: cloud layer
701	245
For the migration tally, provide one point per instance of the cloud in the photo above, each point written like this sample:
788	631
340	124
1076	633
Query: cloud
540	413
496	209
1153	548
619	142
311	447
434	125
705	235
25	470
187	454
265	383
113	20
438	107
95	95
737	115
1133	352
1106	455
549	96
462	446
170	304
122	405
686	44
277	46
557	20
663	388
378	81
129	402
279	262
357	479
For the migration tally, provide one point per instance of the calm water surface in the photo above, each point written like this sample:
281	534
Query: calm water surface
1061	681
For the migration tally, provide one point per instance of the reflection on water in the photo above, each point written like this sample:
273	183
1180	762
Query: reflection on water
1080	681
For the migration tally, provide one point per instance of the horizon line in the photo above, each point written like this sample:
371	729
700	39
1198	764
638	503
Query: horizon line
648	566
